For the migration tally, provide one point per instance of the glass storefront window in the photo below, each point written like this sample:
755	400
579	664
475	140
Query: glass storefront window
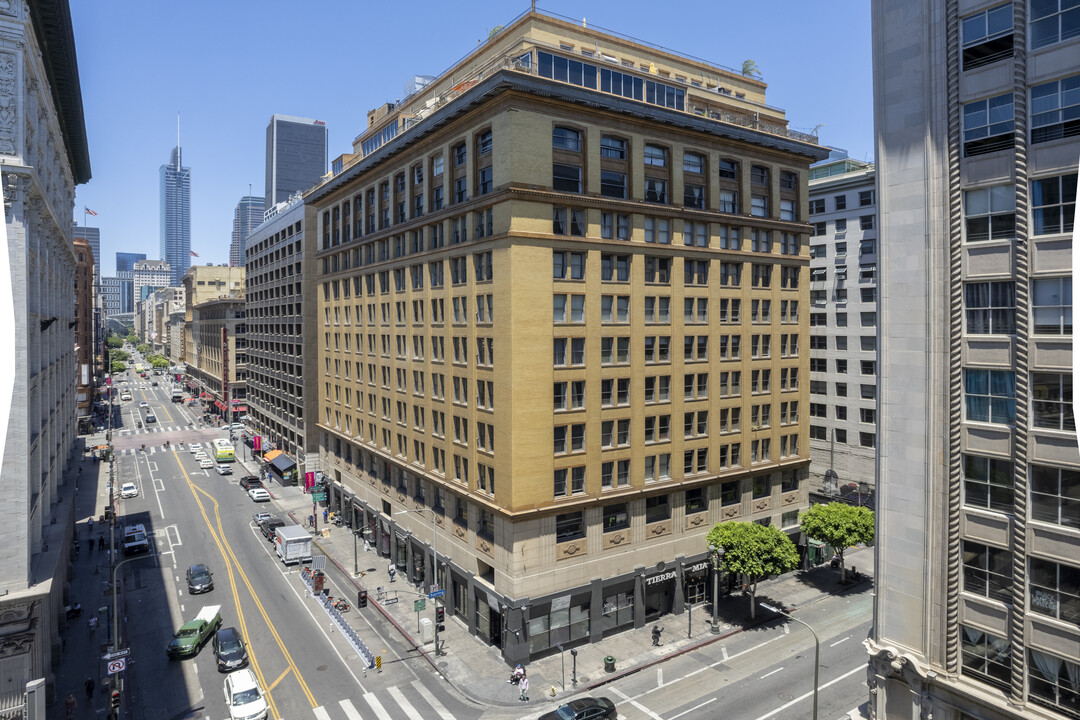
618	611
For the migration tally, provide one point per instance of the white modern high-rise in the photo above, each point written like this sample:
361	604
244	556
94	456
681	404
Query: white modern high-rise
175	216
977	610
148	276
247	216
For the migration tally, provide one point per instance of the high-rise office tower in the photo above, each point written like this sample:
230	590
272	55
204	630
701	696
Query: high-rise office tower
148	276
295	156
247	216
92	236
176	216
977	613
125	261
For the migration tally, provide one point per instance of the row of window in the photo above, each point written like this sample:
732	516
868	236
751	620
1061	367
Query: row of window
1055	113
990	397
867	198
987	36
571	265
840	436
990	307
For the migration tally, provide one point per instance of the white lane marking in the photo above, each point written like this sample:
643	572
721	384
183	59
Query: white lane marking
659	677
404	703
723	651
785	706
377	706
350	710
690	710
771	672
635	703
432	700
787	629
320	713
843	639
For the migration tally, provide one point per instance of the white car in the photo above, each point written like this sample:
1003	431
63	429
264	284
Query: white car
129	490
206	463
124	397
259	494
235	426
244	697
201	455
195	447
144	404
223	469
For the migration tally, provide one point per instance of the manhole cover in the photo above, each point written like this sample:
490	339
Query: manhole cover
786	696
442	664
320	668
583	678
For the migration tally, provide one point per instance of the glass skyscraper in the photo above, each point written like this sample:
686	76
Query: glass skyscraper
125	261
295	156
247	216
176	216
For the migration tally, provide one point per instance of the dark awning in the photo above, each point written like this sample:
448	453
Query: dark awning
283	463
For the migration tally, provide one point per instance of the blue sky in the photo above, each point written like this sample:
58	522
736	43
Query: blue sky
226	67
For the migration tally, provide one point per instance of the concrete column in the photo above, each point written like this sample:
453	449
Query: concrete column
639	597
678	603
596	609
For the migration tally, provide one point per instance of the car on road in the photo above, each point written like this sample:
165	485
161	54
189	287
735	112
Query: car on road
144	404
129	490
230	650
223	469
259	494
125	396
150	418
260	516
235	426
194	447
267	527
201	455
199	579
244	697
586	708
206	463
249	481
153	384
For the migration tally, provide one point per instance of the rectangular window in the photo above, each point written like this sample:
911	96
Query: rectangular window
990	308
1052	306
616	517
611	147
612	184
988	483
569	526
759	205
986	657
988	125
566	178
1053	21
656	190
1052	681
1055	495
1055	589
1055	110
990	396
988	36
657	508
1051	401
655	156
1053	202
990	213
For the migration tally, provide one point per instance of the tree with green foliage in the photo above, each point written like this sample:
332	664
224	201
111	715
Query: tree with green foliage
118	367
114	342
753	551
750	69
159	361
143	348
840	525
132	338
119	355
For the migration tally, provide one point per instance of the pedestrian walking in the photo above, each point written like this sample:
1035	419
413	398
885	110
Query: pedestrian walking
70	706
656	630
90	524
523	686
92	623
325	515
89	545
101	543
89	686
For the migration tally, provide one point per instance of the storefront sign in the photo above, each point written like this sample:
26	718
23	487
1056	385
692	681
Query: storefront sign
699	567
662	577
560	603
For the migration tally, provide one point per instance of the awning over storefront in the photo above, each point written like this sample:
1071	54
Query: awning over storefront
239	408
272	455
219	405
283	463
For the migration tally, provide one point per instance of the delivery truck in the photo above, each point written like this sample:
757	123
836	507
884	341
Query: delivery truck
293	544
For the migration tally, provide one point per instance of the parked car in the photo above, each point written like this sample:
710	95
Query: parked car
230	650
199	579
260	516
244	697
259	494
129	490
206	463
586	708
195	447
267	527
223	469
249	481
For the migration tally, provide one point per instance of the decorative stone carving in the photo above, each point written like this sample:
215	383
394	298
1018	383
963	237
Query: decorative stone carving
418	504
658	529
789	498
440	520
615	539
762	504
732	511
569	549
16	644
695	520
459	531
9	8
401	497
9	103
484	546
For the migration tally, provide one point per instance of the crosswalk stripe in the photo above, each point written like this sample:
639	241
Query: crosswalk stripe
404	703
350	710
432	700
377	706
320	713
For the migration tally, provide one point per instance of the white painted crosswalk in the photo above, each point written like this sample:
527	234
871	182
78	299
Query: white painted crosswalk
414	702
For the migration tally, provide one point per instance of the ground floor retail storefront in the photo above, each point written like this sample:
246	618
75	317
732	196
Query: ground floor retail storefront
527	628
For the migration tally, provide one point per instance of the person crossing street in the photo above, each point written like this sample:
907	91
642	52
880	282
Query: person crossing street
523	686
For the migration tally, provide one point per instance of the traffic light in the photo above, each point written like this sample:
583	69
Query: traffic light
440	618
114	700
361	599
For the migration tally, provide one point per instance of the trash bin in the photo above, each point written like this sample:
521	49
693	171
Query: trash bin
317	579
609	663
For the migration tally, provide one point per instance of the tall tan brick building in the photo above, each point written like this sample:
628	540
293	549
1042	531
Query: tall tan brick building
562	297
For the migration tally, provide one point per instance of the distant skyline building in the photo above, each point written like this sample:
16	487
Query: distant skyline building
176	216
112	295
92	235
149	275
295	156
247	216
125	261
126	280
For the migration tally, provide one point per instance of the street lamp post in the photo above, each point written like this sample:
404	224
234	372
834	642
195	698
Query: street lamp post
435	566
718	562
817	648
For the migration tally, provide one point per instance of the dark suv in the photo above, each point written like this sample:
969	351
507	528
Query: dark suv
229	649
250	481
267	527
199	579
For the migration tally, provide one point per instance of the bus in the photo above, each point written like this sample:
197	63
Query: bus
223	451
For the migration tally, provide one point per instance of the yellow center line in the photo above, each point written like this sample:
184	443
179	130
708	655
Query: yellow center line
227	550
280	677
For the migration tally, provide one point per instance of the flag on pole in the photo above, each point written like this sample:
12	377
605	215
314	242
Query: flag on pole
194	254
89	211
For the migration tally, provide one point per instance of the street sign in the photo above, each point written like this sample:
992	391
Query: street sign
318	496
123	652
116	666
434	587
419	605
436	594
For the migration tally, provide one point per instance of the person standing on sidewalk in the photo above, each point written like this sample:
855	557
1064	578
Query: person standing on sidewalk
523	686
89	687
70	706
656	631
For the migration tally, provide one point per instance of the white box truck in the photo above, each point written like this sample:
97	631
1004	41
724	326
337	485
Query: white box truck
293	544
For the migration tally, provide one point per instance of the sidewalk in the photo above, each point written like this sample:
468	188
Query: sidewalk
479	672
83	647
